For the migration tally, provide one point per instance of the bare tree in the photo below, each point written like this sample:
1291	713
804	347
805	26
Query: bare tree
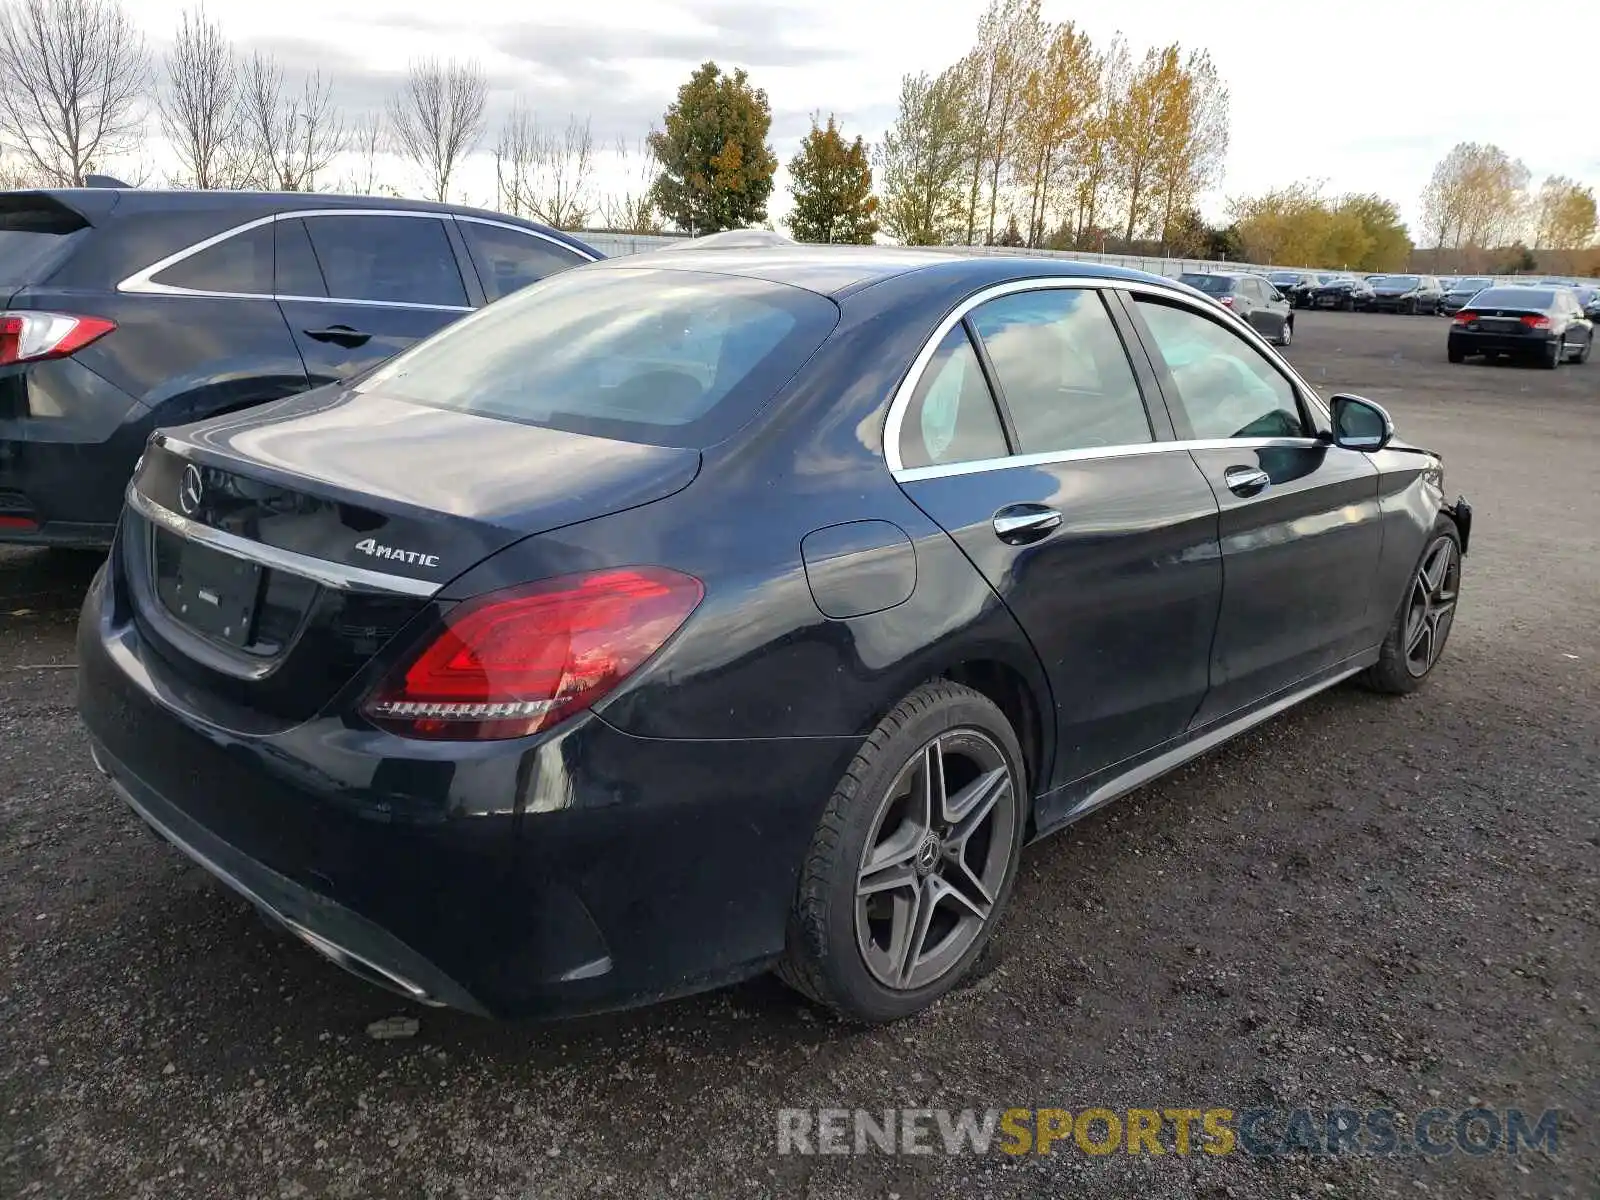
292	137
72	73
544	173
369	137
631	211
437	119
199	105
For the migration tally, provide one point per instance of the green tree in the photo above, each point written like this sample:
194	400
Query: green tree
716	166
831	180
1387	244
924	157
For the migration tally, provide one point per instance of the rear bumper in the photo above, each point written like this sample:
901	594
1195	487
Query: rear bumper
577	871
68	443
1466	341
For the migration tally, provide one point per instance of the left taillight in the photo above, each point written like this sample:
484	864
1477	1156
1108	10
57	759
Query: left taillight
31	336
514	662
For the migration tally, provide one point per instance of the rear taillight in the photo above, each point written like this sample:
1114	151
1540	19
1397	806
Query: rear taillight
31	336
514	662
1530	321
1464	318
1226	301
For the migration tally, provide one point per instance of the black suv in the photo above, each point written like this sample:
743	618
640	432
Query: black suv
125	309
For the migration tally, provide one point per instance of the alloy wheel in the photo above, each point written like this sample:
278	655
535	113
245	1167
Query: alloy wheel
1432	606
935	861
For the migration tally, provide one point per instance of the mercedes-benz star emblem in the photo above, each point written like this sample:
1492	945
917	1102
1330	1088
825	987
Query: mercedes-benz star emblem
928	854
191	490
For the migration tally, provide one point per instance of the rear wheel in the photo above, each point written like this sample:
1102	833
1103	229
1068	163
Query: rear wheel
1456	355
1422	626
914	859
1285	333
1554	355
1349	305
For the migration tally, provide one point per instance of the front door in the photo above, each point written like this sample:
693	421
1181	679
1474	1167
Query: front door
1300	527
357	288
1101	539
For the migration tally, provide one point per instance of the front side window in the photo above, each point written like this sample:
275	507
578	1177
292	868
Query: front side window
951	417
241	265
1226	387
673	358
508	259
394	260
1063	371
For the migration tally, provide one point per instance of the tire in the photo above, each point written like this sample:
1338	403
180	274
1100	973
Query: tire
1554	355
1455	355
852	947
1349	306
1285	333
1581	355
1403	665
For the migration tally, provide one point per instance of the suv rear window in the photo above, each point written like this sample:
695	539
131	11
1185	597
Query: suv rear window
1212	285
674	358
35	235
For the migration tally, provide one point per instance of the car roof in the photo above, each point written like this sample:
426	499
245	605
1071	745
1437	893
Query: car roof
96	204
837	271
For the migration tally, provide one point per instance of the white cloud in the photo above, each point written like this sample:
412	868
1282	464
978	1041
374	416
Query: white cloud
1364	94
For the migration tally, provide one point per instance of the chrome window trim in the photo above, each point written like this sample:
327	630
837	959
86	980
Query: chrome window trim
901	400
142	282
533	233
329	574
1096	453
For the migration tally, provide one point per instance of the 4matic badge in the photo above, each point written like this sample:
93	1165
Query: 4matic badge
394	553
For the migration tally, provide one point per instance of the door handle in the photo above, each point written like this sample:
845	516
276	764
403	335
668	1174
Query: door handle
1019	524
1246	481
339	335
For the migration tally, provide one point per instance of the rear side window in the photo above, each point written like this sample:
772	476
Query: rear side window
508	259
296	272
674	358
241	264
394	260
951	417
1063	371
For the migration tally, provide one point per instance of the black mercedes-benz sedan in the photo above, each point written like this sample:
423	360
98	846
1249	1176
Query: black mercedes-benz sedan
1542	325
1348	294
691	615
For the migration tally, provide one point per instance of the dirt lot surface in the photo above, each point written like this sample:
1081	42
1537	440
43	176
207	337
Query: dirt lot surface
1366	902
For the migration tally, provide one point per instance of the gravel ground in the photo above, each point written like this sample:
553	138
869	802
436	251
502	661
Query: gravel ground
1366	902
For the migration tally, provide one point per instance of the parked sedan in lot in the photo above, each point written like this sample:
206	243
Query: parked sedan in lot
1457	295
1250	297
1545	326
1589	297
682	617
122	310
1295	286
1348	294
1407	294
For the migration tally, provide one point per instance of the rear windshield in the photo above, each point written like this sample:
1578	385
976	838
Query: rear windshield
1408	281
1215	285
1284	277
35	234
674	358
1506	297
27	258
1470	285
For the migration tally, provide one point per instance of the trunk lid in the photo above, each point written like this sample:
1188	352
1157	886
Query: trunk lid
269	555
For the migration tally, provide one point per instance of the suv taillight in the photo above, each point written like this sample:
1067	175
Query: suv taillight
31	336
514	662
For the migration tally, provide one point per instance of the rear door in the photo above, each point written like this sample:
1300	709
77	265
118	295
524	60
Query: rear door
1099	535
381	281
1301	530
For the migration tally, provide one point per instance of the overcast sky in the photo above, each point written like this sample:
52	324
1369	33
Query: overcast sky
1364	94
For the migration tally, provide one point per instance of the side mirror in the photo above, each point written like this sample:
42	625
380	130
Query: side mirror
1359	424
